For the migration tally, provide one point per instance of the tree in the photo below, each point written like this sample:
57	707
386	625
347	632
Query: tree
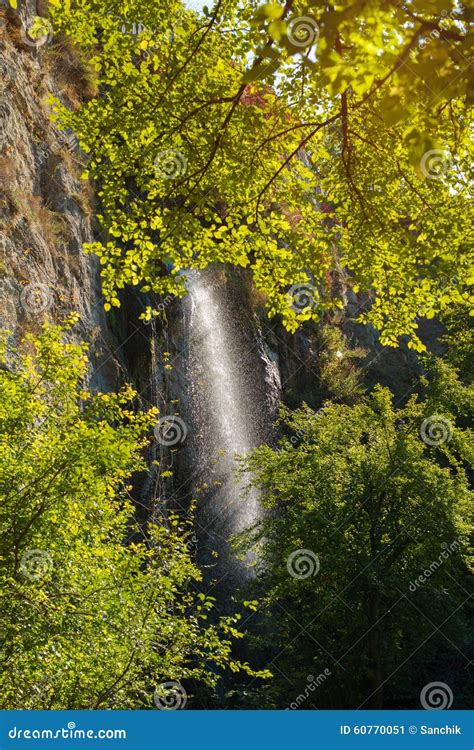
96	612
285	137
459	341
365	548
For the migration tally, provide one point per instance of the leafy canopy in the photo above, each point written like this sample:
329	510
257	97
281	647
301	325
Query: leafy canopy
280	137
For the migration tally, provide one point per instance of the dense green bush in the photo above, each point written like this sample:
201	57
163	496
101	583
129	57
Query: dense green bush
366	500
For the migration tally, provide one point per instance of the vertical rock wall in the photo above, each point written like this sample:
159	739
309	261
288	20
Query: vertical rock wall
45	208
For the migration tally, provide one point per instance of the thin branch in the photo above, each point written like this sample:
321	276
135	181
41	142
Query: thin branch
193	52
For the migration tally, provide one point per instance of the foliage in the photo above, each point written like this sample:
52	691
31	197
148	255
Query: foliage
338	374
459	341
332	370
226	137
95	611
379	506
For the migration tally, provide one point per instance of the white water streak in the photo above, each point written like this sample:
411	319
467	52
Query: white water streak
220	387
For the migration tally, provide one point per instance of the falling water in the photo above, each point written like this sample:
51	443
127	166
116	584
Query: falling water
226	413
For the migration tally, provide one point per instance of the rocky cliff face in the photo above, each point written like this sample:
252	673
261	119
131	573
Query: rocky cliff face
45	208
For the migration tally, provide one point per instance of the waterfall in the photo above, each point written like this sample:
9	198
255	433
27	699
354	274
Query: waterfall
224	382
